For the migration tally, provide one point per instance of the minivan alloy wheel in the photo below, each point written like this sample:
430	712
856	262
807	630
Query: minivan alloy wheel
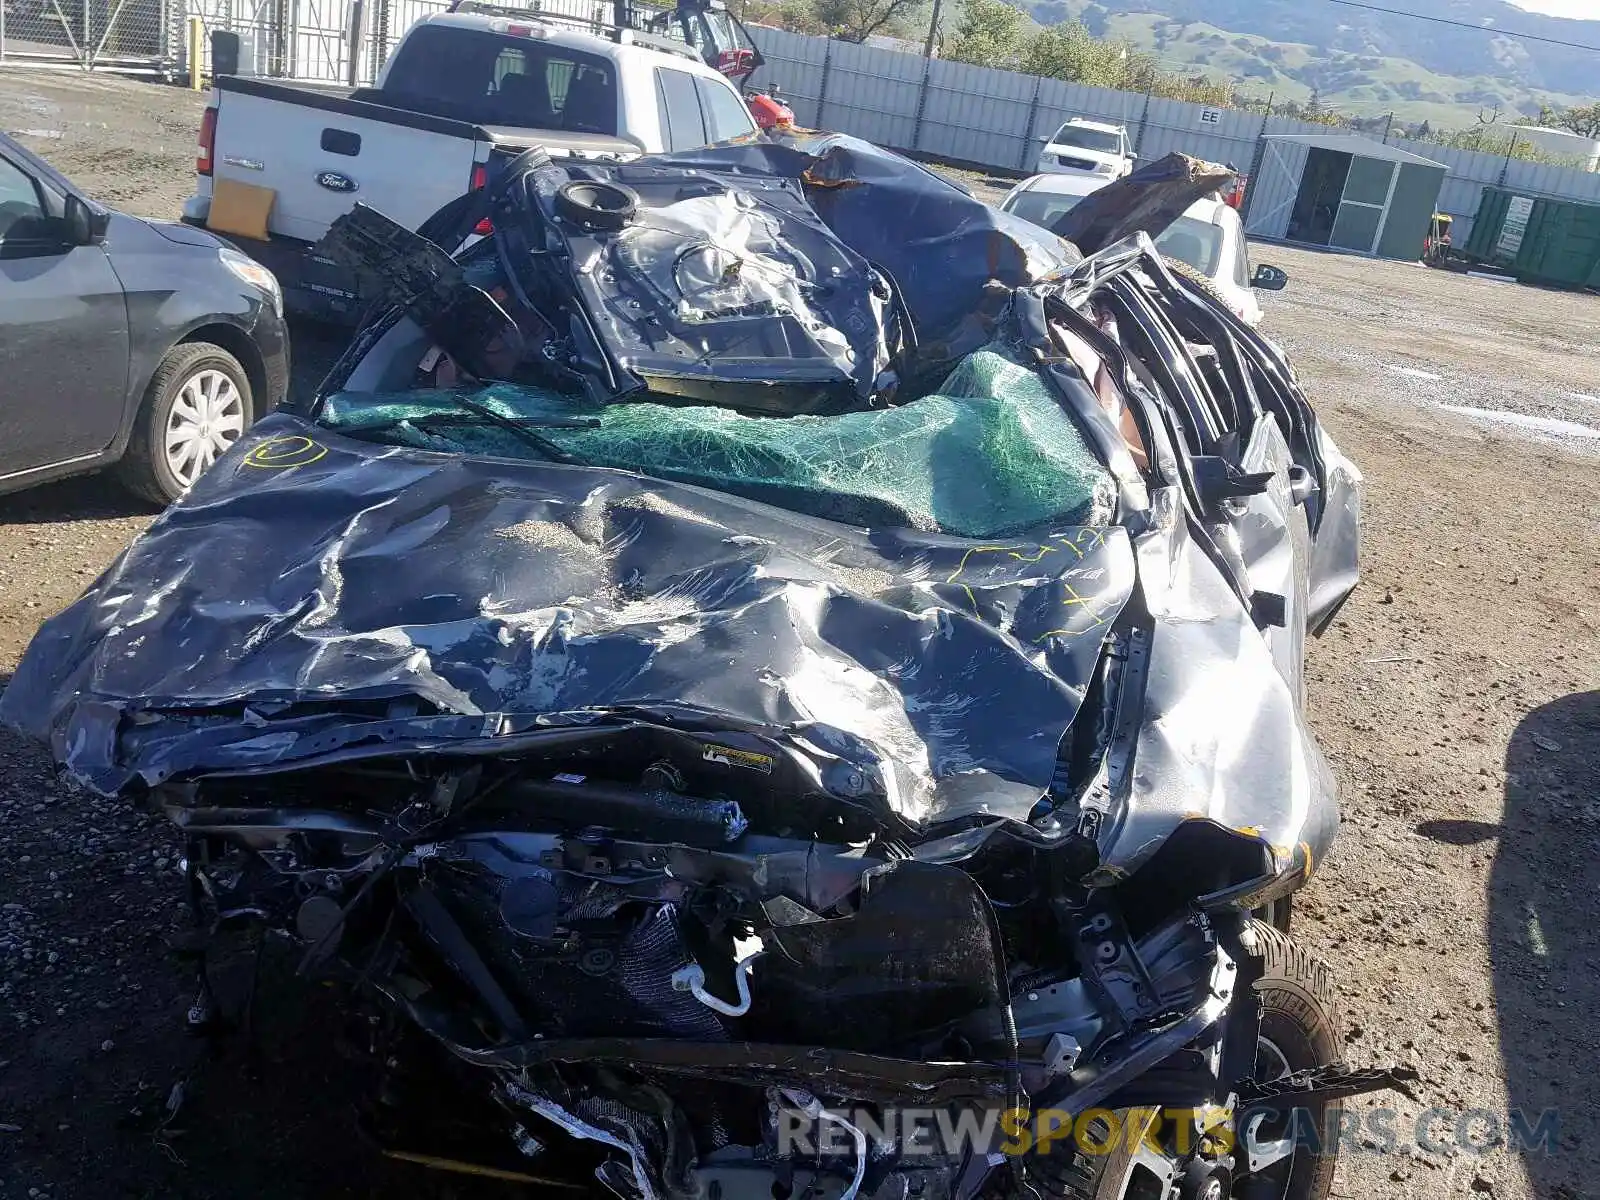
206	418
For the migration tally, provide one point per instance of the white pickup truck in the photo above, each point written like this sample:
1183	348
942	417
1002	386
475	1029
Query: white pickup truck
462	91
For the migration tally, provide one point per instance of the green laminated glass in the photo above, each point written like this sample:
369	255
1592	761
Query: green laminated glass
989	454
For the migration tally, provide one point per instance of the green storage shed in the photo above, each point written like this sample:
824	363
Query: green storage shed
1346	192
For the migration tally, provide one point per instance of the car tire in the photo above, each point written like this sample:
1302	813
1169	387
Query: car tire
1301	1025
1300	1018
198	404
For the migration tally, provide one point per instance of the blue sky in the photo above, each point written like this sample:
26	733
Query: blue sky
1582	9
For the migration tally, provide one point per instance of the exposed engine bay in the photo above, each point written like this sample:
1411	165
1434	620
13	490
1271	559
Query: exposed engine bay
678	979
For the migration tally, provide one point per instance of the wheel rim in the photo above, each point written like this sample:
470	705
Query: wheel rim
1273	1064
206	418
1150	1174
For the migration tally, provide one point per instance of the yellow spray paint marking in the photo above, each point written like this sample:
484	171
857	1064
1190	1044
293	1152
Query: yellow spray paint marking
282	453
1073	600
962	566
1033	558
1096	540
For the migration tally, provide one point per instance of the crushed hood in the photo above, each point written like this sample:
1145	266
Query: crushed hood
309	574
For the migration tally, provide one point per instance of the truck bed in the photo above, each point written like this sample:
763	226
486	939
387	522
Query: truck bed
320	150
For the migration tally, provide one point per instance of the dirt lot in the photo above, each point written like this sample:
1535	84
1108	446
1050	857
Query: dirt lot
1458	696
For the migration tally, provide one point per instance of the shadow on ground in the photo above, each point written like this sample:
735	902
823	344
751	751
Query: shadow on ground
313	350
1545	939
117	1099
85	498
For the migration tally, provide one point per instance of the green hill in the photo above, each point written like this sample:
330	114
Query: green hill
1357	62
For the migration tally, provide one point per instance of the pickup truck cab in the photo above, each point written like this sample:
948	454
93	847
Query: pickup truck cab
463	92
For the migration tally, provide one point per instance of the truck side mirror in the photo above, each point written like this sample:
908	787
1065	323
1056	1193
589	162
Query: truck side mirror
224	52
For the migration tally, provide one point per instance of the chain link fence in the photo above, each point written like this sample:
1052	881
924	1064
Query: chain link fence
332	41
327	41
127	35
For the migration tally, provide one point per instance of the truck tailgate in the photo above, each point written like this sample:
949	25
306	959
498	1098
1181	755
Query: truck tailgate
321	151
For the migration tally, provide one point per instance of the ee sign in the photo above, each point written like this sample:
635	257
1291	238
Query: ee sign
1211	116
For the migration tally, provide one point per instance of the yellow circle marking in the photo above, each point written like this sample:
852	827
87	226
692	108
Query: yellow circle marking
280	454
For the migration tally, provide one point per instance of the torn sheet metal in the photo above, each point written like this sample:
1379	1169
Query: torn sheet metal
953	257
1147	201
1248	762
714	286
806	264
480	586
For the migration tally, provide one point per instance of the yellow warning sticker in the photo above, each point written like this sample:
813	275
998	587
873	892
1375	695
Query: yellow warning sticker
729	757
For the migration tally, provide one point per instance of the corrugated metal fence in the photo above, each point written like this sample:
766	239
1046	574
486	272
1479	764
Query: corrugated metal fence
992	118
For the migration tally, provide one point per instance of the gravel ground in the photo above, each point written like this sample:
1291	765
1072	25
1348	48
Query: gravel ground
1458	696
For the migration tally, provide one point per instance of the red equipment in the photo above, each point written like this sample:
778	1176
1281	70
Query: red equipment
736	63
769	112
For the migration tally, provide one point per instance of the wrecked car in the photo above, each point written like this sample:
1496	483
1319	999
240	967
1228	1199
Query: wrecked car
764	675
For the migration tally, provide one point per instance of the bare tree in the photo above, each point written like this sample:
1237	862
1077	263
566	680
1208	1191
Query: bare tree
1483	124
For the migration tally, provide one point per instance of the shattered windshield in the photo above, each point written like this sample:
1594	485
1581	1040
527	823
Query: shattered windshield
989	454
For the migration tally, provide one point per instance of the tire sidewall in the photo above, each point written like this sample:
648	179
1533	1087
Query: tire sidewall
1295	1021
194	359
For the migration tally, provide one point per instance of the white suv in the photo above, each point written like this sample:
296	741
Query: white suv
1083	147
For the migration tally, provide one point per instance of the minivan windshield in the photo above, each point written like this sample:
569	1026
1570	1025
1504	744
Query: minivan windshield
473	75
1088	139
1043	208
1196	242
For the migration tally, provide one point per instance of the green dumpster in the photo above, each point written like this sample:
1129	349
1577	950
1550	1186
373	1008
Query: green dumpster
1539	239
